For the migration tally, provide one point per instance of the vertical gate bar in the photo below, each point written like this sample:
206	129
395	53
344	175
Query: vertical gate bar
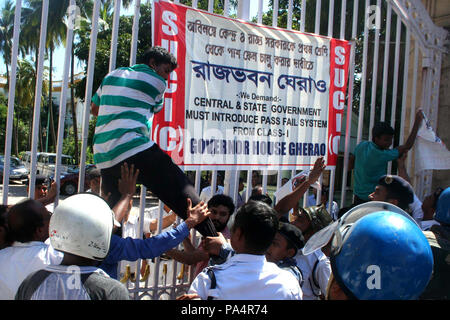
331	188
405	87
348	126
236	185
243	11
62	101
355	19
374	73
317	20
115	35
37	99
158	259
226	8
425	91
11	97
330	18
248	190
135	32
264	181
435	97
332	171
387	40
142	200
319	192
211	6
275	13
363	77
413	98
213	183
395	85
88	92
290	14
302	16
343	16
260	11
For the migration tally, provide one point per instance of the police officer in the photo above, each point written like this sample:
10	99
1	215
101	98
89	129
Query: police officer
393	189
378	252
285	245
248	275
439	239
315	266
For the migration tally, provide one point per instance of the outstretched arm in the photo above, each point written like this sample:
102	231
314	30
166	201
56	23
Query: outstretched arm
412	136
402	168
291	200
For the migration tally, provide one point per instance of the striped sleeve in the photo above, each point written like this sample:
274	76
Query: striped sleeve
96	98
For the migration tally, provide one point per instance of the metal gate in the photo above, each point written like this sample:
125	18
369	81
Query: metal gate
396	63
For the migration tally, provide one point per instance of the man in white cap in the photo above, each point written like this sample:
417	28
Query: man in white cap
81	227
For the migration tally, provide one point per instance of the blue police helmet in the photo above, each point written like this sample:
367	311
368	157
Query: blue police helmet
442	213
382	256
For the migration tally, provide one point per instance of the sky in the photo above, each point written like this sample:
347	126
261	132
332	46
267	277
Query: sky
59	53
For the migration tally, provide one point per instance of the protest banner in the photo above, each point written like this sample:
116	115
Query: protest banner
247	96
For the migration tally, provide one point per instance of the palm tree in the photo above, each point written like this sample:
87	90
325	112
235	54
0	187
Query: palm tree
6	35
25	90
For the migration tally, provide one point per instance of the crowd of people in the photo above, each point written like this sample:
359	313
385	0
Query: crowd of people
386	245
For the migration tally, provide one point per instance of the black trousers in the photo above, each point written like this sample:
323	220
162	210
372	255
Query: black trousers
163	178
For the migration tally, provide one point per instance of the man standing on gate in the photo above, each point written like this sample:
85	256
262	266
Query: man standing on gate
124	105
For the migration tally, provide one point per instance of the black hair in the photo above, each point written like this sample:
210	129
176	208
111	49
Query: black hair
258	223
94	173
3	216
256	190
436	195
23	220
381	128
221	199
160	56
261	197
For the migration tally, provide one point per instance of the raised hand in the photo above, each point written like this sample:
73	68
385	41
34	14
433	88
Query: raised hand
127	182
317	170
196	214
212	245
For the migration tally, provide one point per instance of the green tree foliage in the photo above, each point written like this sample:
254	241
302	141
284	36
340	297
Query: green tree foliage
104	45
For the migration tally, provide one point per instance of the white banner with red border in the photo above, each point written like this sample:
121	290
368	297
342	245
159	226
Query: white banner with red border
247	96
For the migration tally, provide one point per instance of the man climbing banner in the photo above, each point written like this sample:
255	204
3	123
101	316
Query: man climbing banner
248	96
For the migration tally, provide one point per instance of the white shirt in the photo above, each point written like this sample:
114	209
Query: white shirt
130	228
21	259
53	288
248	277
416	210
427	224
322	273
205	195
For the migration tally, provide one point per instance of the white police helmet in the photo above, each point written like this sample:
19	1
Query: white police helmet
82	225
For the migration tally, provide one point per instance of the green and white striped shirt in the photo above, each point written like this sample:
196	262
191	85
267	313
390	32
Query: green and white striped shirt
127	99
